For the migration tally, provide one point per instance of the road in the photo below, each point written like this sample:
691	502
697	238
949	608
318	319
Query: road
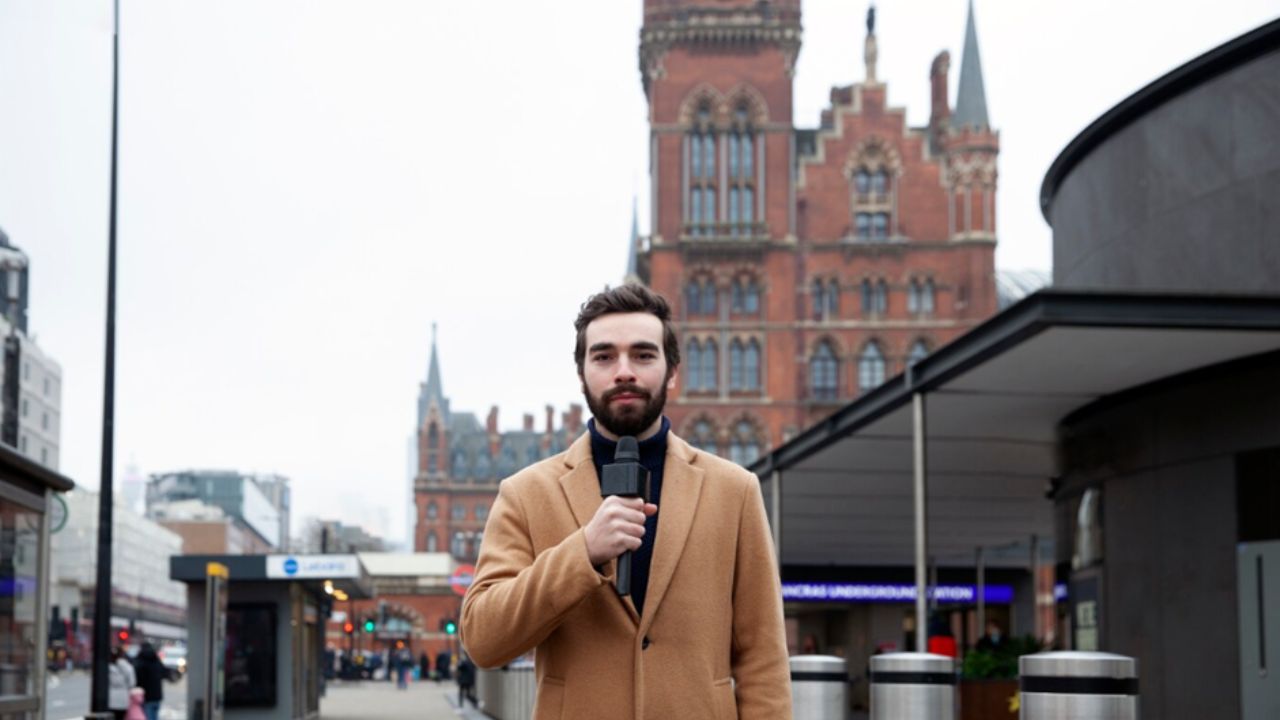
68	697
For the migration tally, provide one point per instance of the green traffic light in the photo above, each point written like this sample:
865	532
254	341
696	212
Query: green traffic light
368	626
451	627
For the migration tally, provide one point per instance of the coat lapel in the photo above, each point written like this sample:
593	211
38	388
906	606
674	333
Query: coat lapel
681	486
582	489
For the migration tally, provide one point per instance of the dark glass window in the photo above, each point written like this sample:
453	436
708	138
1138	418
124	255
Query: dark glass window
881	297
459	512
879	226
870	367
250	659
918	352
710	372
823	366
926	298
704	437
863	225
693	360
433	510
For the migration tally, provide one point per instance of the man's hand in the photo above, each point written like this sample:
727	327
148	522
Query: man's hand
617	527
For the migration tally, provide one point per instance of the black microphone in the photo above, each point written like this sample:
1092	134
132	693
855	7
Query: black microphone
625	476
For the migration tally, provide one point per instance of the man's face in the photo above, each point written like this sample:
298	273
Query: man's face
624	375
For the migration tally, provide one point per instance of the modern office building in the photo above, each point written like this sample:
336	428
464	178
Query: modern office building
238	495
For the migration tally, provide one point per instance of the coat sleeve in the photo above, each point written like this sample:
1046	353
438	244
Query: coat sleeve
517	599
760	664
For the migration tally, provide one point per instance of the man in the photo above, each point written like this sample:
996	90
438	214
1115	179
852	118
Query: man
701	635
466	682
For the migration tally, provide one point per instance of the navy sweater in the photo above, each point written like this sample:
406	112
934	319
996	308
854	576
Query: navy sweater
653	453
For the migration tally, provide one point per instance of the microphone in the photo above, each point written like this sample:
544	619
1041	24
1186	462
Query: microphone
625	476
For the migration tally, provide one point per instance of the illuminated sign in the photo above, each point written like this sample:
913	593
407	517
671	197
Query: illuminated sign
313	566
889	593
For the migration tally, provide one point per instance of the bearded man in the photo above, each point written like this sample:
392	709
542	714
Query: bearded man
701	633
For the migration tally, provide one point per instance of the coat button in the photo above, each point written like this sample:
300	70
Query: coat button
644	644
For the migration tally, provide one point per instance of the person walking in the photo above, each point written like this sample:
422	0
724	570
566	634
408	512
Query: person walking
466	682
120	680
424	666
701	633
151	673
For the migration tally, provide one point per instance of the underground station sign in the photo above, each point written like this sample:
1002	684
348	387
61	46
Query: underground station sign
461	578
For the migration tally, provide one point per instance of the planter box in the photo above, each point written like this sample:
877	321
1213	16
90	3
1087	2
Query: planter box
988	699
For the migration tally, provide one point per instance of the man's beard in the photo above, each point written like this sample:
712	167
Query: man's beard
629	419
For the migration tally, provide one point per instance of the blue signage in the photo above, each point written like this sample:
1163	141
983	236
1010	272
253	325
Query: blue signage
291	566
890	593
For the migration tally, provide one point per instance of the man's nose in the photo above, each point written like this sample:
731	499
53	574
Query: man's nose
624	374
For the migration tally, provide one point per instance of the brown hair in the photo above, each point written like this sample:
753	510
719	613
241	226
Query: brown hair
627	299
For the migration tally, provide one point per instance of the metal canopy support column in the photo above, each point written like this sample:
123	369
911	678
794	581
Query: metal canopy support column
980	562
922	533
775	521
1035	586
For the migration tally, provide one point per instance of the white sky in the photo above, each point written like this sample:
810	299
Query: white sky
305	186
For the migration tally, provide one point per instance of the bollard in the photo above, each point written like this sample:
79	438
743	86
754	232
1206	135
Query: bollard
1070	685
913	686
818	687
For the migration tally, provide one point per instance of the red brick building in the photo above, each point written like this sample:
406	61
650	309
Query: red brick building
461	462
806	266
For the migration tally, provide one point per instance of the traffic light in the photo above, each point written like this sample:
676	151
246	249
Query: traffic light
123	636
369	625
348	628
449	626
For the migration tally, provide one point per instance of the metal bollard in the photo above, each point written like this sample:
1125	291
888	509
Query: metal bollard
1070	685
818	687
913	686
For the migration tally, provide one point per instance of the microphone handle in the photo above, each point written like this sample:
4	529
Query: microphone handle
622	581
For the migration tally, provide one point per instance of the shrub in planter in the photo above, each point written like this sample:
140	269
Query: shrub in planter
989	684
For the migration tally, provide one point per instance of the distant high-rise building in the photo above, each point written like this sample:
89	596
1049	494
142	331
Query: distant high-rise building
31	385
276	488
238	495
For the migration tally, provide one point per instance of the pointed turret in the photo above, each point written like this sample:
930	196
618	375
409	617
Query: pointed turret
633	247
971	100
432	390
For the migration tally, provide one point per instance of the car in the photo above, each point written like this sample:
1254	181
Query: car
174	659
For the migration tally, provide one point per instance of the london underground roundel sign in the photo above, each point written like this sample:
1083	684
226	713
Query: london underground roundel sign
461	578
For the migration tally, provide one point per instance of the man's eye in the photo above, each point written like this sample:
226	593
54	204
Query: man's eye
600	358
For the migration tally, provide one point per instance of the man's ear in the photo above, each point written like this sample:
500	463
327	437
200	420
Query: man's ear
671	379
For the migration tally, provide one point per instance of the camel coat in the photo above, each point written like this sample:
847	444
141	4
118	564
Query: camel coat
711	643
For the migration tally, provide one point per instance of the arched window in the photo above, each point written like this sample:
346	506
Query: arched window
704	437
744	445
459	512
872	200
926	297
700	296
458	466
833	299
826	299
701	148
870	367
917	353
482	512
431	542
433	435
823	373
710	366
819	299
881	297
742	180
744	365
433	465
693	361
913	296
433	510
868	298
458	548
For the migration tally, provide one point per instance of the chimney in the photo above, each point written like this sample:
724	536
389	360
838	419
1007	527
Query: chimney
551	420
491	424
941	111
575	417
528	422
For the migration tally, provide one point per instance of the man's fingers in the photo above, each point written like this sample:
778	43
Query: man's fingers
650	509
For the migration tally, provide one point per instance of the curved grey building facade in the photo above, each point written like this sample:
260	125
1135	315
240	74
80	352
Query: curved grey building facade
1176	188
1168	506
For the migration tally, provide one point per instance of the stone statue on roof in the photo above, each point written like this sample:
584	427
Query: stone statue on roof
871	20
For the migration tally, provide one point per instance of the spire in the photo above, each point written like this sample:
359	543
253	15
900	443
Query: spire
634	246
971	101
432	390
869	52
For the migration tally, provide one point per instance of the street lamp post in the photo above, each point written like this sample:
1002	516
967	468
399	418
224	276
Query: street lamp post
102	591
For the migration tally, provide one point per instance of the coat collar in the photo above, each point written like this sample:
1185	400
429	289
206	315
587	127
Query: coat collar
681	487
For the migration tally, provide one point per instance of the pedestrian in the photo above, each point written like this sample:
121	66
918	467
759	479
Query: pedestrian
403	664
120	680
150	676
443	661
993	639
466	681
701	633
424	665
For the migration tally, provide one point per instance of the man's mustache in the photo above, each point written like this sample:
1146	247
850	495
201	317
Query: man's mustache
625	390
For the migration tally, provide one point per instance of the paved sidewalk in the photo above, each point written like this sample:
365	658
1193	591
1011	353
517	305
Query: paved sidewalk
377	700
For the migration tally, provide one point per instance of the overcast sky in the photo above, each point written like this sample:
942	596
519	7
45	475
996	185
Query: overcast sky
306	186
